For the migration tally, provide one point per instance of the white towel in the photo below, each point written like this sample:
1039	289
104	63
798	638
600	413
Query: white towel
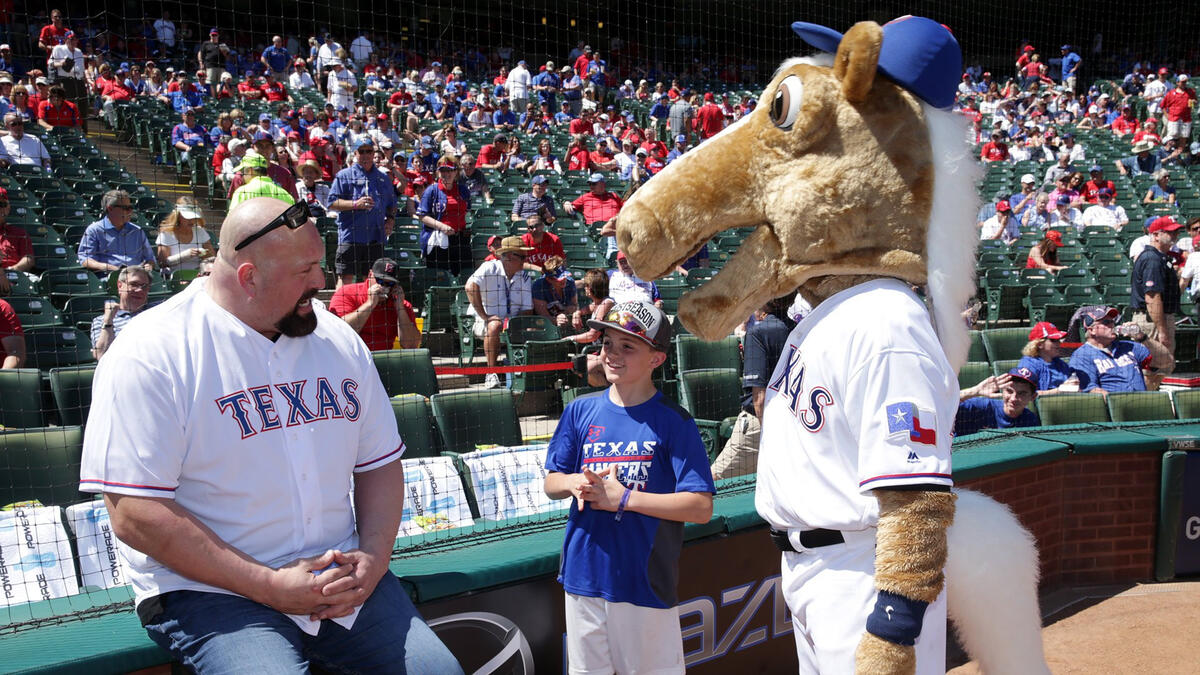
437	239
35	556
509	482
100	562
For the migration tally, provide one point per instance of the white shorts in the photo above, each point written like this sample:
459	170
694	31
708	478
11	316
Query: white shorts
1179	130
830	592
616	637
479	327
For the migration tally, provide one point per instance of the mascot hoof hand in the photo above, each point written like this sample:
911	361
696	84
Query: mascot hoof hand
876	656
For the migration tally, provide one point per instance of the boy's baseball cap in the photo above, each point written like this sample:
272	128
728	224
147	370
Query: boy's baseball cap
1044	330
1003	206
1025	374
641	320
1098	314
385	270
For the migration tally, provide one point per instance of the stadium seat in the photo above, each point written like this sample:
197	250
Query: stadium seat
526	327
79	310
1072	409
972	373
72	389
34	311
714	397
21	392
692	353
1005	343
61	284
1003	366
56	346
41	464
21	284
534	352
406	371
1187	403
469	418
415	424
978	352
1140	406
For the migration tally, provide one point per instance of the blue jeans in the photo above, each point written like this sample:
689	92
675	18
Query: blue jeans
218	633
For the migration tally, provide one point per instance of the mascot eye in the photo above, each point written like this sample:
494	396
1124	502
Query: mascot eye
786	106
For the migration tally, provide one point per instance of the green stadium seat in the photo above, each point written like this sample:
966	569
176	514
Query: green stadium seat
415	423
41	464
72	390
1006	302
978	352
54	256
534	352
692	353
21	391
1187	403
714	398
1003	366
61	284
1005	343
466	419
1140	406
1072	409
34	311
524	328
20	283
56	346
972	373
406	371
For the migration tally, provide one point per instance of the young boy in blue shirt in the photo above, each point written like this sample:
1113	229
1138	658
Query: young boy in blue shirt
637	469
977	411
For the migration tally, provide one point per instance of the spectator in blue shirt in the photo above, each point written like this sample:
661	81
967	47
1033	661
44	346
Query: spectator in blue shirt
1070	67
504	119
661	110
998	403
1041	356
546	84
276	59
365	202
188	135
679	148
460	120
114	241
1105	364
185	97
555	296
564	116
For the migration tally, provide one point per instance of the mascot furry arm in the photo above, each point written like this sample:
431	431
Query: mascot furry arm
839	176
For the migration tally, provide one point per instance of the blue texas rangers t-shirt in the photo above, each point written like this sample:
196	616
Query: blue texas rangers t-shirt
976	414
656	448
1119	368
1049	374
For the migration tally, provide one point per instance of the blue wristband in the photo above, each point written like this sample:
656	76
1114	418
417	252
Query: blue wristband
896	618
621	506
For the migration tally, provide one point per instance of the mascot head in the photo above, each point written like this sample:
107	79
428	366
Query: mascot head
850	172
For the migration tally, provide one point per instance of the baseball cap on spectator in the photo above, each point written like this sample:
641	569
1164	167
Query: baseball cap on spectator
1065	47
263	136
642	152
708	96
5	48
1003	207
1099	314
319	141
427	142
1025	375
1054	236
494	241
1105	192
293	115
293	135
1063	200
252	160
385	270
42	80
1028	48
521	62
1183	77
436	63
264	116
382	117
1028	178
662	96
1164	224
596	178
213	31
1044	330
363	142
1095	168
640	320
539	180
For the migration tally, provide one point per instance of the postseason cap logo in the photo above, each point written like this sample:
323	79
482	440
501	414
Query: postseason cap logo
904	418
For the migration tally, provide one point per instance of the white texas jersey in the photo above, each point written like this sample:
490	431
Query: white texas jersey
257	439
862	398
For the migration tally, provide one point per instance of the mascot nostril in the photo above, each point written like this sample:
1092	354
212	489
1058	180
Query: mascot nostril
854	453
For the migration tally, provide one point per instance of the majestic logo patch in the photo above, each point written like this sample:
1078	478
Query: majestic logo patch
904	417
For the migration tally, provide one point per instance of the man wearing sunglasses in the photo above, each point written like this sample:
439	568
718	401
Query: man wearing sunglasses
16	147
1105	364
499	290
365	203
260	409
16	248
114	241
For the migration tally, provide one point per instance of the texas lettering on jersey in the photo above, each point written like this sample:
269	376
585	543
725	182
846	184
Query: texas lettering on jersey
790	384
632	458
254	409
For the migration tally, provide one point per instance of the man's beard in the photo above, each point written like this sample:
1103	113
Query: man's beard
294	324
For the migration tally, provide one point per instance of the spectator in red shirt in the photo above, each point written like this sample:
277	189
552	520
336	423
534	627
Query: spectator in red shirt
1091	189
585	124
1126	122
250	88
602	158
545	245
274	91
654	146
709	120
1148	131
16	249
1177	106
492	155
995	150
52	34
596	205
58	111
577	154
113	92
583	62
373	308
12	338
318	151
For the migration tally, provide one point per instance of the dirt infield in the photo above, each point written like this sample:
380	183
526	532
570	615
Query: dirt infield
1145	628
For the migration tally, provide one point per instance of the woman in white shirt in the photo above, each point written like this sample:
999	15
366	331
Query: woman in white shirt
182	240
450	143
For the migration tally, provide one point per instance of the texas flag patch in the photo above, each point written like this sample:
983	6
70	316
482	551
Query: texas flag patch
905	417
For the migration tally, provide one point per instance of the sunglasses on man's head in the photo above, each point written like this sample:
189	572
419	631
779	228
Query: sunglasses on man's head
294	217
